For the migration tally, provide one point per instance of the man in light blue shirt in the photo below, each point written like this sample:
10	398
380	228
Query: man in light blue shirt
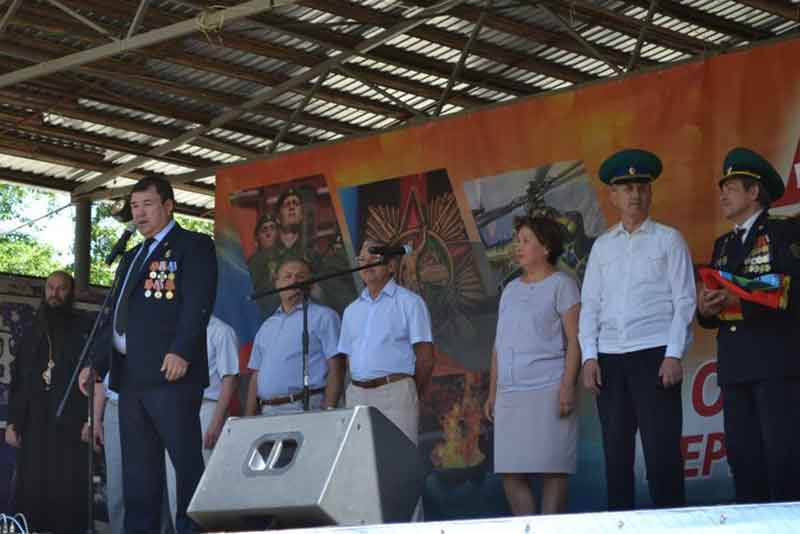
386	336
277	355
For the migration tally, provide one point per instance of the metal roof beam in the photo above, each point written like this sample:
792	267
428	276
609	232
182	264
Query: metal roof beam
33	179
450	39
640	39
719	24
12	9
297	111
108	69
395	55
173	52
534	33
178	181
150	38
593	52
588	12
33	123
80	18
462	59
381	91
115	74
780	8
73	110
265	95
137	19
304	58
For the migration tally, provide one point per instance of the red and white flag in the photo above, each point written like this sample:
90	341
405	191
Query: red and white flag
792	194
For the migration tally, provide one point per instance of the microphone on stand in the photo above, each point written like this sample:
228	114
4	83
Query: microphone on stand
388	251
121	243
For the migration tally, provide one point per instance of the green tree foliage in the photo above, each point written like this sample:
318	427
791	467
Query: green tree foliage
19	252
106	231
204	226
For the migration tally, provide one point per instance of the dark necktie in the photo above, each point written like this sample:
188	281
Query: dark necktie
736	246
121	323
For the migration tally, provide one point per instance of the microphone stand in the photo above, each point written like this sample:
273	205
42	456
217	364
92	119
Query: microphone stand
305	288
85	357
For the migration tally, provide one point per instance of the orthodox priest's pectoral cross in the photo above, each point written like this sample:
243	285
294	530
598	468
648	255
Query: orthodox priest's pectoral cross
47	375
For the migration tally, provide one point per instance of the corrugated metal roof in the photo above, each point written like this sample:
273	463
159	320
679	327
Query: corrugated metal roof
116	109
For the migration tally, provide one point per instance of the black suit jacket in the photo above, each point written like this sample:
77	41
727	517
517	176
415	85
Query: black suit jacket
764	343
169	306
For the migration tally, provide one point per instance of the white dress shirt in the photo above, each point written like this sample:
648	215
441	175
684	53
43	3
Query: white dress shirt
120	341
638	292
223	355
747	224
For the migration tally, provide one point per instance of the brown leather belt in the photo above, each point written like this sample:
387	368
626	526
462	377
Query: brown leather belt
382	381
277	401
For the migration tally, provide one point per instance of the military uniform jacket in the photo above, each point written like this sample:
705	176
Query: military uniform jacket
168	311
764	343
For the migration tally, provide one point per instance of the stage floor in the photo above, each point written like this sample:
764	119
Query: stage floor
783	518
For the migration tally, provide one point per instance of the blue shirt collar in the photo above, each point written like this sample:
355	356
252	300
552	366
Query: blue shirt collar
389	290
159	237
299	308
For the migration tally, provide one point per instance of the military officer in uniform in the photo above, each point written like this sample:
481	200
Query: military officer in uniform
637	308
158	360
758	365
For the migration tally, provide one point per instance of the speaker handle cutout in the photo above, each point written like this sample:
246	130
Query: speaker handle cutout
273	454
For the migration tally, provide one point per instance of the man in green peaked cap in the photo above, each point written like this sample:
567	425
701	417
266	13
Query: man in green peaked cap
758	368
637	308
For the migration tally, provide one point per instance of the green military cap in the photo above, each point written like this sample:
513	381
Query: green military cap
745	163
630	165
264	219
291	192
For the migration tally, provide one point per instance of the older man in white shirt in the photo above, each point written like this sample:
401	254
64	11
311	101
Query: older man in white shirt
637	306
386	336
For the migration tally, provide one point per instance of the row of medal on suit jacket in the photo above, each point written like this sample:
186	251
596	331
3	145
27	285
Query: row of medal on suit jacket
160	281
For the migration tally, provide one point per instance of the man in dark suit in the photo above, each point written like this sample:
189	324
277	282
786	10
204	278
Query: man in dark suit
758	364
158	362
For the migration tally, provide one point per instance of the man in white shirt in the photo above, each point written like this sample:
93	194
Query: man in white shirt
637	306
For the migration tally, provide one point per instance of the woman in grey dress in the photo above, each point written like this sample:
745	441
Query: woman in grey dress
535	364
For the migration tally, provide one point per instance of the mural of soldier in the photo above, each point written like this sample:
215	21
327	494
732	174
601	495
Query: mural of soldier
297	219
264	261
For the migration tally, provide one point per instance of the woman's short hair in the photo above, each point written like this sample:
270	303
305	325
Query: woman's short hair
549	233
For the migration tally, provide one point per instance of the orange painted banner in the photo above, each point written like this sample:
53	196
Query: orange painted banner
450	187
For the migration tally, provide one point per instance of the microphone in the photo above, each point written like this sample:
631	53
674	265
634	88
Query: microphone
121	243
388	251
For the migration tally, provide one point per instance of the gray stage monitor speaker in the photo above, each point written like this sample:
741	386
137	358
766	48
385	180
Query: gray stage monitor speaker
337	467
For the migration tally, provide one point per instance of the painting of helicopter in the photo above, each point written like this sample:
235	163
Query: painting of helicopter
558	190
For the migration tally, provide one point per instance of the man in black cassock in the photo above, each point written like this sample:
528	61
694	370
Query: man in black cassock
51	476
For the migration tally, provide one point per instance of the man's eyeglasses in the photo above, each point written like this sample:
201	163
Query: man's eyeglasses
364	260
